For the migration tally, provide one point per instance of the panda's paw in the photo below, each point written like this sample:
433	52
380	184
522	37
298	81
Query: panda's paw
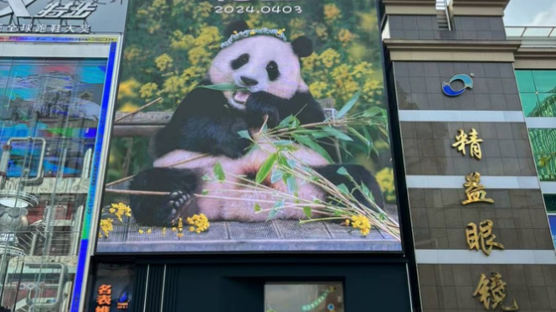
262	106
162	210
176	203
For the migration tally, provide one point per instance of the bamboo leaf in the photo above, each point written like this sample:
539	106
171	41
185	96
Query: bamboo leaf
342	171
289	122
266	168
337	134
219	172
276	175
222	87
244	134
343	188
275	209
307	141
359	136
292	184
349	105
307	211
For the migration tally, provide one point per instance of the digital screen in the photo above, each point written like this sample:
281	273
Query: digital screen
250	126
305	297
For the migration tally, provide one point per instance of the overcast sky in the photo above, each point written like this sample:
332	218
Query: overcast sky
531	13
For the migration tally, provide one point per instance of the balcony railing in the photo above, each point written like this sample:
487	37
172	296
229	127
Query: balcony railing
531	32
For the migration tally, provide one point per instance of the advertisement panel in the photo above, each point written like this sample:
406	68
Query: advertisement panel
250	126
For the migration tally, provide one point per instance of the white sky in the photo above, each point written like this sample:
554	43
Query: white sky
531	13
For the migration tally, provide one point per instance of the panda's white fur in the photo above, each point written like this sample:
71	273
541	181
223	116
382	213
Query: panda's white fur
288	83
235	204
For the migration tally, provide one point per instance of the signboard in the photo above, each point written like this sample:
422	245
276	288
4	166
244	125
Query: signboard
250	126
62	16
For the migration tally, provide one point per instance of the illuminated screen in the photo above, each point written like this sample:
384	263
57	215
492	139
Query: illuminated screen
250	126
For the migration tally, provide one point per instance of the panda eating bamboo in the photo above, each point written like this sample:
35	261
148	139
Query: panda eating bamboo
204	129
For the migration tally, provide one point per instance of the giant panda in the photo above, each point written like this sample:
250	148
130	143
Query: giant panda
207	123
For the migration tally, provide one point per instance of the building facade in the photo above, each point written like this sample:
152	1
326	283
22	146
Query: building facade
472	234
438	137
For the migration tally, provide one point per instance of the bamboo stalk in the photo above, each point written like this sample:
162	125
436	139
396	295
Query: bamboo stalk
135	192
171	165
151	103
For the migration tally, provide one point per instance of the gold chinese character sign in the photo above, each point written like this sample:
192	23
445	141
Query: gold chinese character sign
482	237
492	292
474	190
472	139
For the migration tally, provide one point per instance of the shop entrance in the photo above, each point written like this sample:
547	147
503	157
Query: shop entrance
280	284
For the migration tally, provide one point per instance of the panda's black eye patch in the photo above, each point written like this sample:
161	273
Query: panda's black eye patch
272	70
240	61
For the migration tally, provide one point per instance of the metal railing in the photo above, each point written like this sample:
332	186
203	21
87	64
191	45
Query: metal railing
533	32
443	14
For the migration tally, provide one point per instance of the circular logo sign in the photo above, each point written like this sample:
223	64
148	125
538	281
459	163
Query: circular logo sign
467	81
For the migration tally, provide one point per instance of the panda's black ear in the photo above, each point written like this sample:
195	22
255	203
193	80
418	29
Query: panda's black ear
302	46
235	26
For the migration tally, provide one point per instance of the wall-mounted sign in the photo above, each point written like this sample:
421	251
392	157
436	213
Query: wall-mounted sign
62	16
474	190
491	292
472	139
482	237
449	90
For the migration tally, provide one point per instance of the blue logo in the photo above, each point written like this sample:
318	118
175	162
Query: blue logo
465	79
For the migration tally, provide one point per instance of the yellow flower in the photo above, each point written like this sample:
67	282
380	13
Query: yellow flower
131	53
385	178
345	36
199	223
128	107
119	210
341	72
179	41
362	69
208	35
202	10
197	55
148	90
297	23
317	89
320	30
331	12
329	57
361	223
106	227
309	62
173	85
163	62
127	88
159	4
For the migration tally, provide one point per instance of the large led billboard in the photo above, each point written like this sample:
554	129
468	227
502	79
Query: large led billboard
250	126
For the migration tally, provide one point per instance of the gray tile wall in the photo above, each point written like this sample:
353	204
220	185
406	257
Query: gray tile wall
449	288
418	86
428	149
425	27
439	219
